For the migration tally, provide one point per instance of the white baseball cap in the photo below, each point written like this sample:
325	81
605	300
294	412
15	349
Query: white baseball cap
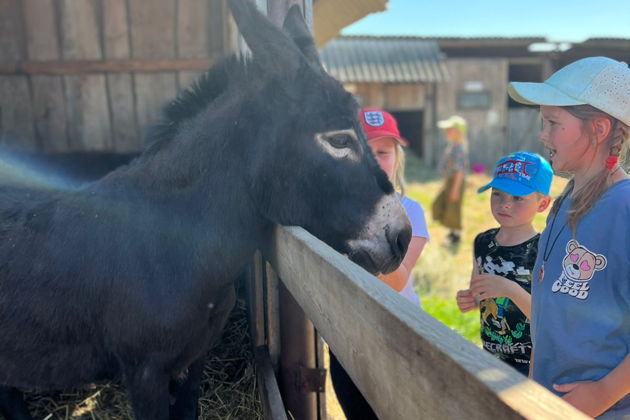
453	121
597	81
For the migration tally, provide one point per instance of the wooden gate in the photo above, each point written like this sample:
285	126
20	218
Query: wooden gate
407	364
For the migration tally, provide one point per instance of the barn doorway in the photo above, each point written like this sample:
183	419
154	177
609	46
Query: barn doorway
410	126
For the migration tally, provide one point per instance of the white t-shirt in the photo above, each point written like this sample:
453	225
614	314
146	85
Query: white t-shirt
415	213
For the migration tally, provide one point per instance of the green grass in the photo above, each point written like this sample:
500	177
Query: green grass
439	274
446	311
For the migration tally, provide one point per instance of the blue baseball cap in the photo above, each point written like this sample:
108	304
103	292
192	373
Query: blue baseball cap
521	173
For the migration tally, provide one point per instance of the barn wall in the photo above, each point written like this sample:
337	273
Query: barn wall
524	130
79	75
487	132
390	96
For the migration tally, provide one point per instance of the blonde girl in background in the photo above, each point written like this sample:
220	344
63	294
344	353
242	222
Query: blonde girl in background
447	206
581	284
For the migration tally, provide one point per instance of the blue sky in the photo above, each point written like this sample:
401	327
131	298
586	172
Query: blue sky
558	20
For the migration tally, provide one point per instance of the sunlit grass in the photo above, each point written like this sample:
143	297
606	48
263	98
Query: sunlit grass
446	311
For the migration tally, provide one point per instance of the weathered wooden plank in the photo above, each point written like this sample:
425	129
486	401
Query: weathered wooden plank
125	134
321	365
256	301
297	351
152	37
120	89
193	37
152	92
79	30
88	117
404	96
370	94
16	125
524	130
268	385
49	111
42	43
407	364
115	30
102	66
11	33
42	40
272	315
89	125
152	29
16	113
219	26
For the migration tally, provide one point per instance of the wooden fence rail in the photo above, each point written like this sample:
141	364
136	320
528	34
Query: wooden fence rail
406	363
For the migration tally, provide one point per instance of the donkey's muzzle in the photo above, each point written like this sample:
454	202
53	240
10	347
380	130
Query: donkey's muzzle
382	244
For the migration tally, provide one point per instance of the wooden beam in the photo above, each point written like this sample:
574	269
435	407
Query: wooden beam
272	315
104	66
256	300
269	391
297	356
406	363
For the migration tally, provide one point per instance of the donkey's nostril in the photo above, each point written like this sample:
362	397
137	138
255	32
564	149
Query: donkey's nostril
403	242
399	240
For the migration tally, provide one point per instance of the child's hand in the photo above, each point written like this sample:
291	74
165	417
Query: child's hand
587	396
486	286
465	301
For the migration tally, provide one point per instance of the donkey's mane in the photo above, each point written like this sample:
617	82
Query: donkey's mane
231	71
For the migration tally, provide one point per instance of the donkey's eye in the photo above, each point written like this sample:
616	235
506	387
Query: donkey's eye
340	140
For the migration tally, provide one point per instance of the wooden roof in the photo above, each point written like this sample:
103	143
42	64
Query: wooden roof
355	59
331	16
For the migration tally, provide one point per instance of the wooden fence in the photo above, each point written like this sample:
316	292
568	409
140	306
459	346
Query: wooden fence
406	363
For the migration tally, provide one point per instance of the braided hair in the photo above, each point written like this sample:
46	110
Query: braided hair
617	143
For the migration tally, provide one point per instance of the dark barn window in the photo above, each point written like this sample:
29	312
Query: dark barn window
473	100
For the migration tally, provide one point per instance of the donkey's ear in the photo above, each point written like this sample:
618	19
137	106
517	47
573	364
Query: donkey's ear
295	26
269	44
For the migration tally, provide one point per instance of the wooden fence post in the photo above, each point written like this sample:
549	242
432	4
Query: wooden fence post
300	378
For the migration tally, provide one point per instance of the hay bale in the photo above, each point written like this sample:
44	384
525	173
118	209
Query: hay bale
229	389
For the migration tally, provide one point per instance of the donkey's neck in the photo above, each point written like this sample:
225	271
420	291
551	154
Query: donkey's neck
201	181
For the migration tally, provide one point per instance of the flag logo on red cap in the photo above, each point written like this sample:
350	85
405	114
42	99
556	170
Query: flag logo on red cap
374	118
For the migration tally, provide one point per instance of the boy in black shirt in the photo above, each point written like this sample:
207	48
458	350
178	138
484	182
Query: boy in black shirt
504	258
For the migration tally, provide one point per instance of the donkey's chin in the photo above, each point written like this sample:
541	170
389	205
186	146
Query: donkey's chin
374	262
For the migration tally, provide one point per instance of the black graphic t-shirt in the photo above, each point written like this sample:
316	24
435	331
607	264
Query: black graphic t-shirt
504	328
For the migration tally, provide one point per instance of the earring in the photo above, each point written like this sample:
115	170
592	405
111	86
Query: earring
611	161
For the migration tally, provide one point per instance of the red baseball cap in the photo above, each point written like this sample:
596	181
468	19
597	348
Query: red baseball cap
378	124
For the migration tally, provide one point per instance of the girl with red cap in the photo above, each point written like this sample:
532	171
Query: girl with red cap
383	136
